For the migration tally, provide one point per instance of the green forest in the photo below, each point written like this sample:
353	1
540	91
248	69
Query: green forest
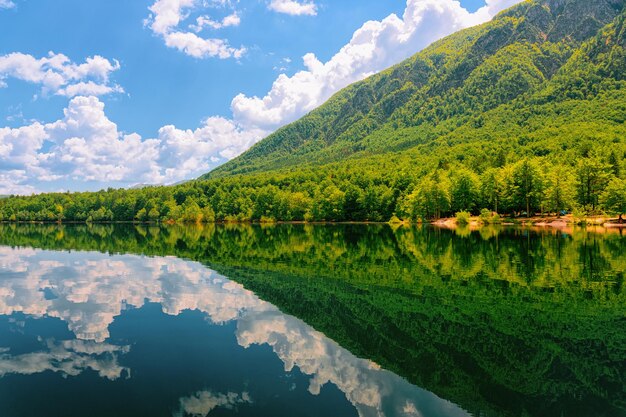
528	186
519	116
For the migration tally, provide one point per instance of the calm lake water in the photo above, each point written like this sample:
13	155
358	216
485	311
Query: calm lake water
295	320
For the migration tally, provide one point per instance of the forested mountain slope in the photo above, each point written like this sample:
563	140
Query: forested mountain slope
499	83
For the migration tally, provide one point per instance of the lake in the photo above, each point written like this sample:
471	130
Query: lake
311	320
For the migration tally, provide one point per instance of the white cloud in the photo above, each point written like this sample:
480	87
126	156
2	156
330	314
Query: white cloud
89	88
205	21
184	152
57	74
164	21
6	4
231	20
197	47
19	147
86	146
14	182
293	7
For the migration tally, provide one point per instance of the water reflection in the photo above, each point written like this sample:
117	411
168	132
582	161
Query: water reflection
90	292
68	358
203	402
502	321
87	291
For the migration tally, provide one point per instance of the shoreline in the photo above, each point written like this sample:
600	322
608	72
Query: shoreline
448	222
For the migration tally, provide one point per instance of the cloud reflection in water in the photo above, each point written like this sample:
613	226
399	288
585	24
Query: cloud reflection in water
89	290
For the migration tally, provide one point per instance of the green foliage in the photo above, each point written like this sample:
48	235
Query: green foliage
486	216
560	190
430	198
614	197
592	178
492	188
349	194
475	95
464	190
527	187
463	218
395	220
580	216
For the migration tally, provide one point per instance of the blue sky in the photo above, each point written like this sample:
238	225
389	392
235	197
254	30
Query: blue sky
105	93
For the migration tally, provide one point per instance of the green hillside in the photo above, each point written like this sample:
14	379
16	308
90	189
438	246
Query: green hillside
534	81
524	114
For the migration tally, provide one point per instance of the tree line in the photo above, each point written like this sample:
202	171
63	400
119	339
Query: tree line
349	192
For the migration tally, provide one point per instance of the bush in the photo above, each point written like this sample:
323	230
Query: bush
580	216
485	216
395	220
463	218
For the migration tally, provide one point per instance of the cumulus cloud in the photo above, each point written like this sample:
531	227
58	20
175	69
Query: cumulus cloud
188	150
293	7
205	21
86	146
89	89
58	75
19	148
166	17
14	182
89	146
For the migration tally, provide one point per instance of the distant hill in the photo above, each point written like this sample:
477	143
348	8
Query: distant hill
538	79
141	186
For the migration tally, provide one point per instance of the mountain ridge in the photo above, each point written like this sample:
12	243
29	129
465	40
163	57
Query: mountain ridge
531	23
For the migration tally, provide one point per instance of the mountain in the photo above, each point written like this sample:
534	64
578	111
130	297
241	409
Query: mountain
542	69
523	114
